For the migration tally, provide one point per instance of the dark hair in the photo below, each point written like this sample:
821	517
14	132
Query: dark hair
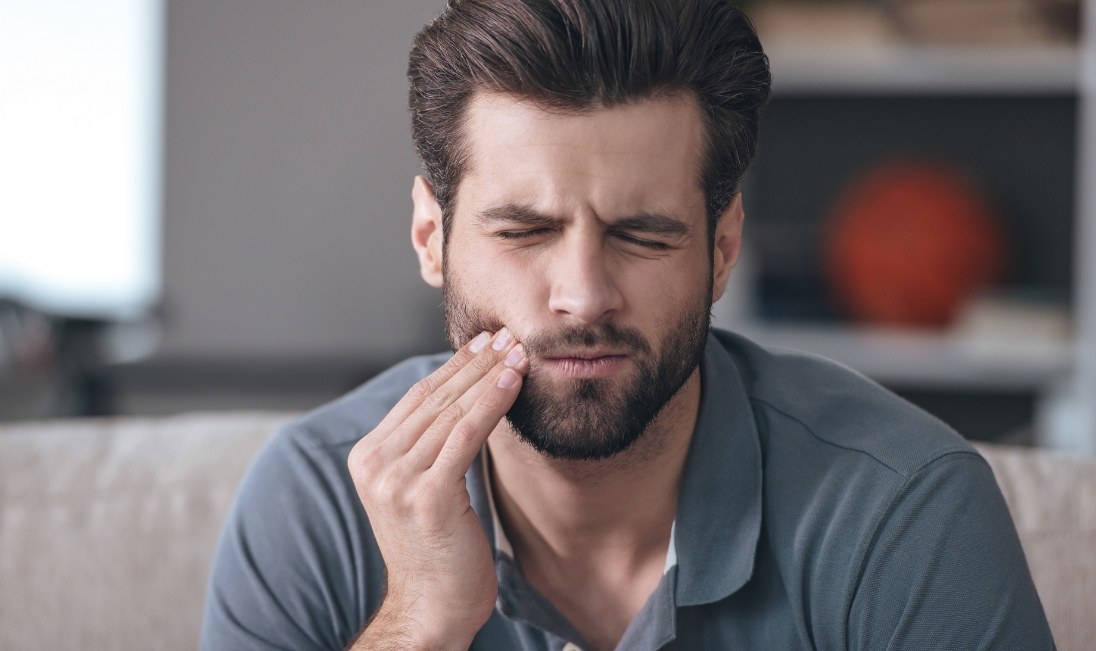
578	55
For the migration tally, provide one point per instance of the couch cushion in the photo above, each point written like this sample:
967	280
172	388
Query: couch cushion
107	526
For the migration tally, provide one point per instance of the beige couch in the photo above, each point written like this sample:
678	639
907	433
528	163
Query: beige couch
107	528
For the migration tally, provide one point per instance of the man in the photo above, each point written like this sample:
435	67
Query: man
594	468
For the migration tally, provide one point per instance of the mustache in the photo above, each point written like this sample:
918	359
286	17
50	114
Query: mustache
607	335
463	322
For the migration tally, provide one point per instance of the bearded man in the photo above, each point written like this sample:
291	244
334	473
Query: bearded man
594	467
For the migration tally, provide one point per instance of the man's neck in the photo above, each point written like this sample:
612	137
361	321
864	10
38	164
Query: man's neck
596	522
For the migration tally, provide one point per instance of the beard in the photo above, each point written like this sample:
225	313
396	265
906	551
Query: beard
590	418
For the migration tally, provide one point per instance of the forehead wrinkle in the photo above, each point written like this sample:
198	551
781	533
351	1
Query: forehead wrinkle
592	182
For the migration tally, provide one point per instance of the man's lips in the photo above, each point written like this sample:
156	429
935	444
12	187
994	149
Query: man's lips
586	364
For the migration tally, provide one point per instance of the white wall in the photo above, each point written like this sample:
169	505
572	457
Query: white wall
287	183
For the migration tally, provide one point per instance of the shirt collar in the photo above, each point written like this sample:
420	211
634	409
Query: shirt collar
719	510
498	538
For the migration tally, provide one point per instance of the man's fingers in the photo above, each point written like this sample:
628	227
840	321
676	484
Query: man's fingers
426	386
466	438
426	447
464	381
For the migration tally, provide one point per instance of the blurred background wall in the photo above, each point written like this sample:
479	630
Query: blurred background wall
288	174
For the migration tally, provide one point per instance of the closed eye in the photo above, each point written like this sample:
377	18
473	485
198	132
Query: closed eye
654	245
523	234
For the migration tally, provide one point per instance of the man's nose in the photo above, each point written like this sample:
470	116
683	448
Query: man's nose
584	286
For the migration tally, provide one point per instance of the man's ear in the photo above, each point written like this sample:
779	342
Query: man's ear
727	245
426	231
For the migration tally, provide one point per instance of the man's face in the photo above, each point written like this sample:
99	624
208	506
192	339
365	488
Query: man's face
586	236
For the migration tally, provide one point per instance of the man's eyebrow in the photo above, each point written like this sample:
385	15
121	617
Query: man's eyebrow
652	223
512	213
645	222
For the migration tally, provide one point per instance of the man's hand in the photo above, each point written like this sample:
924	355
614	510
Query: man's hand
409	474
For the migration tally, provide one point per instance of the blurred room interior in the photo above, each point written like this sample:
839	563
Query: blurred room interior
216	217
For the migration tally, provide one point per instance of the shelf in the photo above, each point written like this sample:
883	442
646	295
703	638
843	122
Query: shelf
925	359
873	68
851	51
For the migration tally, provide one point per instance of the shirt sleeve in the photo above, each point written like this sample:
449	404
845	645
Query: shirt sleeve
292	566
945	569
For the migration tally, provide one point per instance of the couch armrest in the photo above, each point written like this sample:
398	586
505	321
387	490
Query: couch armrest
108	526
1052	499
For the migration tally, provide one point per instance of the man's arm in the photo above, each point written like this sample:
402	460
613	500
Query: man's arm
946	570
409	474
293	558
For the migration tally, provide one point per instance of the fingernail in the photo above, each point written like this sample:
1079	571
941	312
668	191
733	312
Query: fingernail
515	356
502	339
479	342
507	379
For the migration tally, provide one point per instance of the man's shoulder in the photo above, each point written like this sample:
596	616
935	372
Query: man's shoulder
795	394
346	419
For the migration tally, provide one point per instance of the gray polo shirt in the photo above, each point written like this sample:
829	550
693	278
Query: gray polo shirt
817	511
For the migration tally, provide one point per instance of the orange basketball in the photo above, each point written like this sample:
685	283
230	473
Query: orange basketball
908	243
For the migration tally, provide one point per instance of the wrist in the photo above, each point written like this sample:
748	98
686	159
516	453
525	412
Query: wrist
396	625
